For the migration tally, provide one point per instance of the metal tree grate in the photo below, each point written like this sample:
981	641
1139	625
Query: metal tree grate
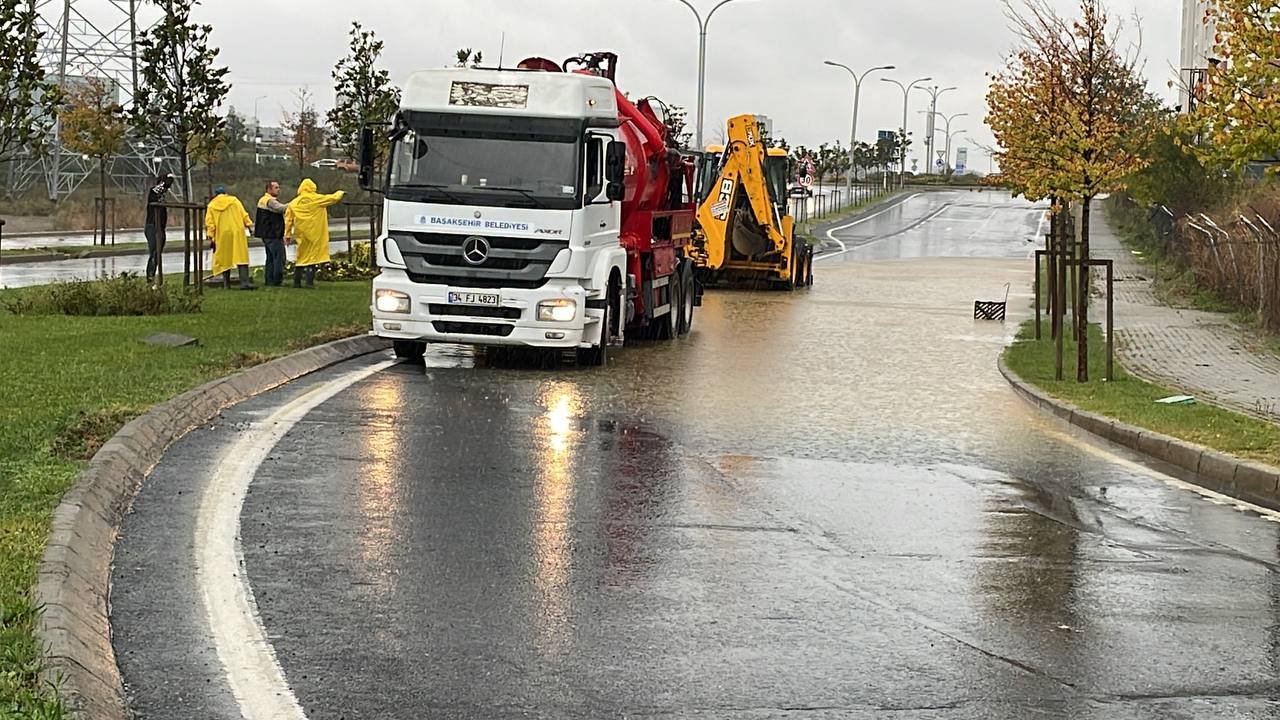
993	310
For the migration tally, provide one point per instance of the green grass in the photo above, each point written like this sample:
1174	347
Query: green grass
70	382
1133	401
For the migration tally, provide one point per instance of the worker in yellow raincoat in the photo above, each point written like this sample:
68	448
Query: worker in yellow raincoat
307	222
226	222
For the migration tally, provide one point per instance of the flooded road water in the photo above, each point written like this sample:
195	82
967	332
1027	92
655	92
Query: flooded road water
825	503
43	273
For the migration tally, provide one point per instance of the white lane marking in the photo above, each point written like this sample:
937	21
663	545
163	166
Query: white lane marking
923	221
831	233
254	673
1039	228
983	226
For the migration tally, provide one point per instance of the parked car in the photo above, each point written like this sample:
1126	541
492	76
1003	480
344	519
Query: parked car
800	191
321	164
348	166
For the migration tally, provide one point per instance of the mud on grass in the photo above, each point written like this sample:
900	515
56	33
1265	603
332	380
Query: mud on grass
70	382
1133	401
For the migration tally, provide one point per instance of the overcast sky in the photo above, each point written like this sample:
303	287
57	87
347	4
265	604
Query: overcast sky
764	56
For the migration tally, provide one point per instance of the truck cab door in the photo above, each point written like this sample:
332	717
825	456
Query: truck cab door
601	215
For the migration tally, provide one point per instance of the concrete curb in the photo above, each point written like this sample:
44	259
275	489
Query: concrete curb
75	573
1249	481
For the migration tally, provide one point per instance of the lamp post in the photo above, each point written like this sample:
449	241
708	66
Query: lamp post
950	137
906	96
257	126
935	93
857	97
947	129
702	57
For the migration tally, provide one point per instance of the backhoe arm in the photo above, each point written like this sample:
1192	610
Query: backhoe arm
739	210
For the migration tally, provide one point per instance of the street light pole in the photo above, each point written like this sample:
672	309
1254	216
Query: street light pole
906	96
257	125
853	133
950	137
702	60
946	165
935	92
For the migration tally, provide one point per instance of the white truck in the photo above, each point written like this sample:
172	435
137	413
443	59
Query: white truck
531	207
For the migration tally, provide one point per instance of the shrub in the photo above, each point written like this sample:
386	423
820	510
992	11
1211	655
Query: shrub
125	294
344	267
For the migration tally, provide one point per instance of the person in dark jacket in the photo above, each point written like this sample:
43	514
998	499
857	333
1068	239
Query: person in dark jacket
157	222
268	226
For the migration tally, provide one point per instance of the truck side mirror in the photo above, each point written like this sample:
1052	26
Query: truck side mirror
367	151
615	162
615	191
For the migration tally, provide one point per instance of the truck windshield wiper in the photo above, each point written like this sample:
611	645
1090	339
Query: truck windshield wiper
426	186
532	198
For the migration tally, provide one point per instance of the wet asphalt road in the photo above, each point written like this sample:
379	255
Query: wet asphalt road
826	504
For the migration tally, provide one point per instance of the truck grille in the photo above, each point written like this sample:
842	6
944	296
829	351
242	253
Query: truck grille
466	328
437	259
503	313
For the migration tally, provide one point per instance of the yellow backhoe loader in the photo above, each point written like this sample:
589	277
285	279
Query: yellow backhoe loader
744	236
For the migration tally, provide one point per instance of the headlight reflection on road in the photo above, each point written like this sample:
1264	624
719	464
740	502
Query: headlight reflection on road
379	494
553	498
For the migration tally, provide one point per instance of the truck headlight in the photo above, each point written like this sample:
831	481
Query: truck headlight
392	301
557	310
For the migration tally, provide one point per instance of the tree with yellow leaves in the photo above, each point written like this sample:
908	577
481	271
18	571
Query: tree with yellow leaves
1238	112
95	125
1073	116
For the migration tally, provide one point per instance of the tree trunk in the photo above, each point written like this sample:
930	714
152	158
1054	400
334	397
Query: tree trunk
208	168
1082	363
102	183
184	167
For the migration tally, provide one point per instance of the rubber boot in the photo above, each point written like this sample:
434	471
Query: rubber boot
226	280
310	274
297	277
246	281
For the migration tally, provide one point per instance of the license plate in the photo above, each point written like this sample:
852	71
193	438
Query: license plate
481	299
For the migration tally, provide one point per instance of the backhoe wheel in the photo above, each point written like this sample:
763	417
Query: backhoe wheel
410	350
792	282
688	296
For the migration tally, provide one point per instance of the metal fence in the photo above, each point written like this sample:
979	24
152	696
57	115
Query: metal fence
1236	257
359	217
825	202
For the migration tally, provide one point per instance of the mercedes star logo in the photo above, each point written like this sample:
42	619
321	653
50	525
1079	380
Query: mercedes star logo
475	250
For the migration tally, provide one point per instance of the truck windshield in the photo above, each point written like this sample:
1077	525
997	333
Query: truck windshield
469	168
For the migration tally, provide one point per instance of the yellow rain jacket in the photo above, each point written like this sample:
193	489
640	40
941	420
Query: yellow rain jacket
224	222
307	221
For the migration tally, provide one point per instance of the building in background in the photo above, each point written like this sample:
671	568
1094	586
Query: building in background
1198	37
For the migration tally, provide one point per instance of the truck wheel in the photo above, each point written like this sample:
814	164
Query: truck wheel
689	297
410	350
598	356
669	325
